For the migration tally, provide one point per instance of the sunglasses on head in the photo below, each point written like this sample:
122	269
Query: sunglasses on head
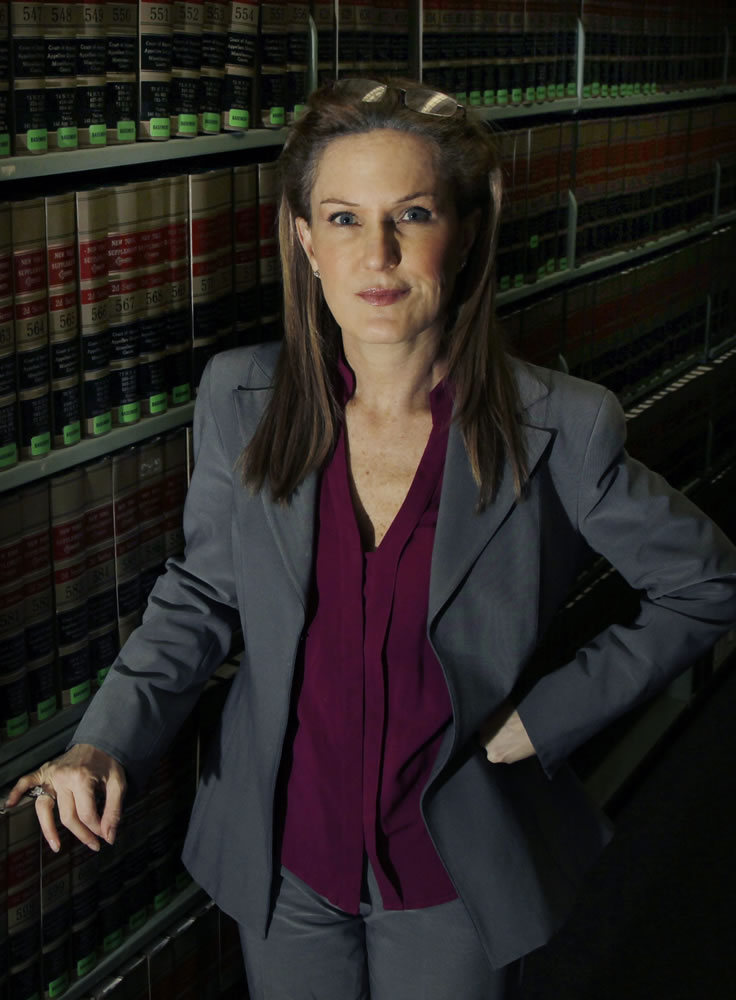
420	99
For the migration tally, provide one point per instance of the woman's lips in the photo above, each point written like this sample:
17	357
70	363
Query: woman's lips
382	296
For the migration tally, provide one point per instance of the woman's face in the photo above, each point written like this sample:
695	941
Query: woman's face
385	237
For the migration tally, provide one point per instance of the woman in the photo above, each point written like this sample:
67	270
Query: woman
393	510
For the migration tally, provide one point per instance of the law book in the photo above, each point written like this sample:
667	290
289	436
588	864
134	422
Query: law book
161	860
83	910
215	23
210	240
400	38
383	30
60	80
723	309
543	200
431	43
238	97
541	332
564	187
124	301
155	37
475	57
701	166
346	38
245	210
515	145
99	540
8	388
70	586
641	172
121	76
174	491
577	328
63	320
590	184
151	528
31	326
269	267
272	59
125	521
323	13
131	842
608	355
3	900
506	46
5	144
178	317
154	295
186	61
92	210
56	871
724	142
538	60
111	903
28	70
38	601
365	31
91	81
458	33
24	899
14	715
297	59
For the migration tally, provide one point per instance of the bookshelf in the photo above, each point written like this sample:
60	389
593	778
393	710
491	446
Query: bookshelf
693	379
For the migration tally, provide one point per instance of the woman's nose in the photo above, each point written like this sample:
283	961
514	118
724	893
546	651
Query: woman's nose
381	247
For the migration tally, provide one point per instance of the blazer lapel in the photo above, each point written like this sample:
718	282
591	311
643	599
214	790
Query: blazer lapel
292	524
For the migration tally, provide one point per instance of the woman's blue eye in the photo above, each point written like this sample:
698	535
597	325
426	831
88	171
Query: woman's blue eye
343	218
417	214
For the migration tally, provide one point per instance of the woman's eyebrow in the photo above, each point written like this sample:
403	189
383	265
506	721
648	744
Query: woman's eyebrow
399	201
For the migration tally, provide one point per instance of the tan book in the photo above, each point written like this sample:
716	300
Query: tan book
60	81
186	60
127	556
269	266
91	79
28	62
121	88
215	23
5	144
92	246
297	59
56	891
272	51
155	33
178	316
14	715
245	195
38	599
238	95
24	899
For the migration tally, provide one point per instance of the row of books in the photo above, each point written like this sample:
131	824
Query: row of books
68	910
641	328
635	178
112	299
79	554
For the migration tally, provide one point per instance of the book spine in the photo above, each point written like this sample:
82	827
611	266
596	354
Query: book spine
70	586
56	870
186	61
245	195
364	35
9	449
459	36
215	21
111	904
14	716
31	326
92	221
124	279
323	12
154	296
24	900
60	81
91	49
240	66
155	36
345	22
272	59
125	520
489	65
83	916
269	269
383	37
150	501
174	491
99	538
297	59
63	312
38	596
28	70
178	316
121	69
4	959
5	144
400	38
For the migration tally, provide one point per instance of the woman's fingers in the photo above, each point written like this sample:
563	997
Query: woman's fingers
22	786
114	794
46	820
79	816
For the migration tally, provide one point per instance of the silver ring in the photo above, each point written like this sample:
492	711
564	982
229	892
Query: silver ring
38	790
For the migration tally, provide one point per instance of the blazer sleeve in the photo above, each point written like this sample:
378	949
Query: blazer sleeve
187	626
662	545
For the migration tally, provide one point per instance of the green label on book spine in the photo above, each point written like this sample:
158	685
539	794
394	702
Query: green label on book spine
534	242
37	140
137	920
98	135
101	424
41	444
162	899
541	272
277	116
531	93
67	139
112	941
72	433
58	986
86	964
572	89
188	124
586	91
126	131
516	95
462	97
563	264
8	455
181	394
102	674
489	98
160	128
129	413
4	144
158	403
502	96
476	99
298	108
211	121
17	725
239	118
80	692
45	709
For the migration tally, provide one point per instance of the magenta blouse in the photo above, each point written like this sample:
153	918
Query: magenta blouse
373	704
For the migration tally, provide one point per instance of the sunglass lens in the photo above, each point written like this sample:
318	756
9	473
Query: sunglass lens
365	90
430	102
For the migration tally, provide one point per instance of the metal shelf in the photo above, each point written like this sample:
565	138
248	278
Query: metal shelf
90	448
42	742
134	153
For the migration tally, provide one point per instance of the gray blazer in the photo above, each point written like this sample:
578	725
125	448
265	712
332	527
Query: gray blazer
517	838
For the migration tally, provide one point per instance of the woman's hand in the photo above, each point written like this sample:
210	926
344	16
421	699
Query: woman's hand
74	782
504	737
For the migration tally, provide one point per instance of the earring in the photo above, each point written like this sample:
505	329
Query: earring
317	275
462	265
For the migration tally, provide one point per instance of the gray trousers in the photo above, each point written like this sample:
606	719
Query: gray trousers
315	951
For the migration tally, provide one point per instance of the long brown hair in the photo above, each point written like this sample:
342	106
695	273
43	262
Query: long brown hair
300	425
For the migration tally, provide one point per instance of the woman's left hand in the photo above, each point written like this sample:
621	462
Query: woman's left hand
504	737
